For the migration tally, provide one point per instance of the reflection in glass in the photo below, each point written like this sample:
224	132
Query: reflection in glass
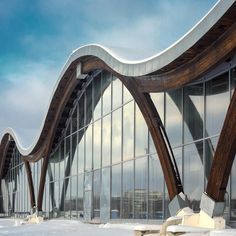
174	116
80	203
193	173
233	193
128	131
116	192
62	170
106	87
116	93
156	187
74	122
89	151
67	202
116	136
96	194
67	157
106	140
141	134
128	190
97	97
158	100
81	153
193	112
89	104
97	144
141	188
81	108
126	95
74	155
105	195
73	201
179	160
210	147
217	100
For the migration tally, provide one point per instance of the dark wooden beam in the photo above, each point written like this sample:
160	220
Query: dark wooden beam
30	184
224	155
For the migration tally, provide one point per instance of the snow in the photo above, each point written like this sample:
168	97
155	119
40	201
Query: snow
59	227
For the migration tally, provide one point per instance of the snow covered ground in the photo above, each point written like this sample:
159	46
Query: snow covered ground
63	227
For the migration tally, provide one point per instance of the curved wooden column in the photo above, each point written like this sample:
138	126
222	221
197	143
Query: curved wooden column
159	136
30	184
71	84
224	155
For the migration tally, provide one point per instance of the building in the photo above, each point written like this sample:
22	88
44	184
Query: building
122	139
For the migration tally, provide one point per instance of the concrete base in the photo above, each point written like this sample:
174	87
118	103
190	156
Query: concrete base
211	207
179	202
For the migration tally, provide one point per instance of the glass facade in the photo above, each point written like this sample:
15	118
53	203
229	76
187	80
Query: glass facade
105	166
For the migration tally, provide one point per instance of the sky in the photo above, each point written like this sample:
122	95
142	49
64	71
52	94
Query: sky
37	37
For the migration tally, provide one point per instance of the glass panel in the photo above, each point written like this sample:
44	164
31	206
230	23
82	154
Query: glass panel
62	170
141	134
89	104
106	140
116	136
97	97
233	80
73	200
67	203
57	164
179	160
97	144
74	155
96	194
89	151
156	187
193	112
158	100
67	157
233	193
115	192
116	93
88	196
81	112
194	173
80	203
128	190
74	121
210	147
106	88
126	95
128	131
105	195
81	151
141	188
217	92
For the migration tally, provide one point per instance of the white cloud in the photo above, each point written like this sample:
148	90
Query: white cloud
24	101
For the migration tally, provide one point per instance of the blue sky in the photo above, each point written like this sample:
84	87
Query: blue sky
38	36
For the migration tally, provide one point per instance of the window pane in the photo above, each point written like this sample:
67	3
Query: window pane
194	173
158	100
156	187
74	121
141	188
141	134
96	194
97	144
80	195
116	136
89	151
97	97
89	104
116	93
67	157
174	116
74	155
105	195
81	151
128	190
106	88
193	112
74	197
233	193
217	100
128	131
106	140
127	96
67	203
81	112
116	192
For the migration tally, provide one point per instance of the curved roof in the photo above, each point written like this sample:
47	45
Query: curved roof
118	63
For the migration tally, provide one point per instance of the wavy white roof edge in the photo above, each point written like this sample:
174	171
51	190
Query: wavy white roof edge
134	67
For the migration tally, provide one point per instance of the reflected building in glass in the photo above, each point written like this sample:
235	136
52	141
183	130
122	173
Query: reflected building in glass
103	164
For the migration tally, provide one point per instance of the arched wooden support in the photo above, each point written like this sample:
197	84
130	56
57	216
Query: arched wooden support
30	184
159	136
224	155
71	84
